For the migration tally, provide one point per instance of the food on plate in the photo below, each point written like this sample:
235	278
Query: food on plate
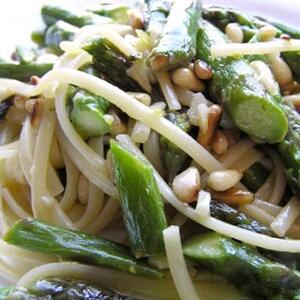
151	152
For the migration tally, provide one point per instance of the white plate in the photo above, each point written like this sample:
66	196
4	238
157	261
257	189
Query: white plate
19	17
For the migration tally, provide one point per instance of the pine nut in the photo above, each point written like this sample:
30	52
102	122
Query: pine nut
119	125
186	78
219	143
135	19
214	115
186	185
223	180
281	70
202	70
158	62
233	196
234	33
19	102
266	33
83	189
37	111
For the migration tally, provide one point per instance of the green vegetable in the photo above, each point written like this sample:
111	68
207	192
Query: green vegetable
232	216
58	32
177	43
25	55
38	37
23	72
235	85
242	265
156	16
35	235
142	206
173	158
255	177
58	289
108	60
51	14
87	114
118	13
289	148
222	16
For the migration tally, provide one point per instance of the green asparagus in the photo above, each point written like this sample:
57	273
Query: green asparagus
108	60
255	177
156	16
25	55
230	215
142	206
173	158
55	289
23	72
177	43
38	37
58	32
118	13
51	14
35	235
236	86
221	17
242	265
87	114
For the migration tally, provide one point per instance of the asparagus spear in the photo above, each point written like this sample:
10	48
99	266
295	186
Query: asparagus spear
109	61
25	55
23	72
87	114
242	265
221	17
55	289
230	215
58	32
156	16
255	176
177	43
236	86
118	13
38	37
69	244
173	158
51	14
142	206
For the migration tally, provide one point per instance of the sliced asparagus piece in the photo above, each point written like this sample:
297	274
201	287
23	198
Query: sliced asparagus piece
242	265
236	86
142	206
177	43
35	235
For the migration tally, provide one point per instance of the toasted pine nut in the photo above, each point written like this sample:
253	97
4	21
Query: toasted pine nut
281	70
119	126
83	189
214	115
34	80
234	32
158	62
219	143
15	116
233	196
37	111
19	102
186	78
223	180
186	185
135	19
266	33
202	70
232	135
